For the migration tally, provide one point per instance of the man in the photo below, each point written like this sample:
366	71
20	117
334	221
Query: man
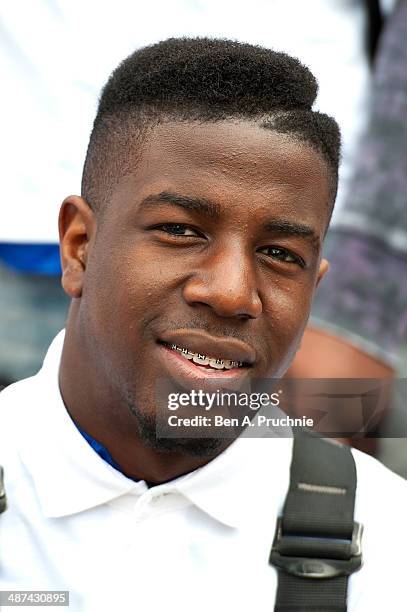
207	190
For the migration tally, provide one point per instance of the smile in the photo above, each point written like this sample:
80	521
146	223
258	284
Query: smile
215	363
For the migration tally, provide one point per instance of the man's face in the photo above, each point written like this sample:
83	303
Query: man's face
212	244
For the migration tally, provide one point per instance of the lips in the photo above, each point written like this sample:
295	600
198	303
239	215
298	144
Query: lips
189	355
210	350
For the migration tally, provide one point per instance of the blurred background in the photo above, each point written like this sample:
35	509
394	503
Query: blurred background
55	58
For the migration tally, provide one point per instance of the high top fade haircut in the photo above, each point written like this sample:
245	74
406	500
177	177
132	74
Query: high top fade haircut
201	79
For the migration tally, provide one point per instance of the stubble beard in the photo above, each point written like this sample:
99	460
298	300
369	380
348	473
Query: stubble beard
191	447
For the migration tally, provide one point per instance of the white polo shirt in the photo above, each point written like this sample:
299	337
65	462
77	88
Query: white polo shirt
200	542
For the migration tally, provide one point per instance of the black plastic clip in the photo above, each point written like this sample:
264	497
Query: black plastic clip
316	557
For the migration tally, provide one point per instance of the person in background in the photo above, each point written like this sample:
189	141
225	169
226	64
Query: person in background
359	317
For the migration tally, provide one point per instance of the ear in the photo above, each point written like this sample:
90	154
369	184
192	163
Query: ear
77	226
323	269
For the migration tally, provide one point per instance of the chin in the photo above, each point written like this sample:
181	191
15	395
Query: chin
189	447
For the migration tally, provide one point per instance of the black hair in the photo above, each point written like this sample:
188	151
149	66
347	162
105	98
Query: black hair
205	80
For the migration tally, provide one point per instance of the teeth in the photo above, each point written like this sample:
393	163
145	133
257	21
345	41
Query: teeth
218	364
199	359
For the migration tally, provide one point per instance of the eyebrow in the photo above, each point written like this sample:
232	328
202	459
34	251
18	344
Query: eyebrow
290	228
213	211
200	205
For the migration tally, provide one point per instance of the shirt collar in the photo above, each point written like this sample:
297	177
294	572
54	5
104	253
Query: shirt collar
70	477
233	487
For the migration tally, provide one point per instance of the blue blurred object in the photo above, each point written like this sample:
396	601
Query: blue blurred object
33	306
31	258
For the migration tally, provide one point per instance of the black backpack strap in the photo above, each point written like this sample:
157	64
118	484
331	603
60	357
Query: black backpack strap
317	544
3	500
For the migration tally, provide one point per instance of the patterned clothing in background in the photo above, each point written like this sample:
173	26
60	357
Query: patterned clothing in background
364	296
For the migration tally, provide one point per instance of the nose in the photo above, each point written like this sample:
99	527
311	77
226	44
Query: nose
226	282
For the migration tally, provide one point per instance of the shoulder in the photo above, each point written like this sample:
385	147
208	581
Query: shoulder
15	398
377	482
381	500
18	404
381	503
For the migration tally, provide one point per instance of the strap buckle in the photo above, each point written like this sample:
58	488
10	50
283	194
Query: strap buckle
316	557
3	499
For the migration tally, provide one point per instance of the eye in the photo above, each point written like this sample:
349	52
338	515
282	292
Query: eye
283	255
178	229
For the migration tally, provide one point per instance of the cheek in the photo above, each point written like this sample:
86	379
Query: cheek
288	298
119	301
126	286
286	308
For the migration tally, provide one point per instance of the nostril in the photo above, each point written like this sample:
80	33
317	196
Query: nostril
244	316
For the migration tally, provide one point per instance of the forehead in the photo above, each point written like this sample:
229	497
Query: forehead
233	163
